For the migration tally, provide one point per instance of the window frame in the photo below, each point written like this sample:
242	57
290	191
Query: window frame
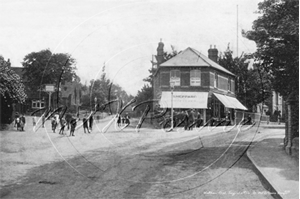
194	78
176	79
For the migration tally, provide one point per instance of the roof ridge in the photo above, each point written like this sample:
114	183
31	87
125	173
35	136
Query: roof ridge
195	51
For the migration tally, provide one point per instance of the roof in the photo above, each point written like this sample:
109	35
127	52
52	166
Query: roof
191	57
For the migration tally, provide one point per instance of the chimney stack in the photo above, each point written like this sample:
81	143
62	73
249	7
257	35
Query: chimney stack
160	53
213	53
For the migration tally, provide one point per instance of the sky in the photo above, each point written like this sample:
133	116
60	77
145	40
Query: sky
122	35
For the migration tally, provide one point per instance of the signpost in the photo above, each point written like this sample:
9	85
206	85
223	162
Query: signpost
172	84
49	88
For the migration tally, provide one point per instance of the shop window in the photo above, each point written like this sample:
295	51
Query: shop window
195	78
175	77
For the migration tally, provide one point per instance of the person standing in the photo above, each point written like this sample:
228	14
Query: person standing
23	121
199	120
73	124
91	120
186	120
85	125
127	119
191	120
119	120
62	126
43	120
33	121
53	124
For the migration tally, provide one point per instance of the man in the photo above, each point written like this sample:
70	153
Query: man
191	120
199	119
186	120
91	120
62	126
85	124
23	121
119	120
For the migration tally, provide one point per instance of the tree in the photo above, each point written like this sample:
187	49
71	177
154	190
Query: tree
146	92
104	90
276	33
252	84
44	67
11	90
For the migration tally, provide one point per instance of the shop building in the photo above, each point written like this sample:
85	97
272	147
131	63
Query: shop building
198	82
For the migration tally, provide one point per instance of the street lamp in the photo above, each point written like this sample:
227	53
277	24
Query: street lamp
172	84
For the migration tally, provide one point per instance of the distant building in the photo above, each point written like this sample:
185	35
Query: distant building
199	83
70	94
273	107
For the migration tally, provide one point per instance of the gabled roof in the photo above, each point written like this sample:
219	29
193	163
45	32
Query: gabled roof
191	57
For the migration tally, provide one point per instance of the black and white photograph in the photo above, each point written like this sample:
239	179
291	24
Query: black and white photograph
149	99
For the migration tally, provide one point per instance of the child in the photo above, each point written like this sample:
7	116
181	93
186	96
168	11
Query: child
23	121
53	124
62	126
33	121
73	126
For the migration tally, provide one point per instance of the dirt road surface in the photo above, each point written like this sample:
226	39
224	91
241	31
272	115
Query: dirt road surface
127	164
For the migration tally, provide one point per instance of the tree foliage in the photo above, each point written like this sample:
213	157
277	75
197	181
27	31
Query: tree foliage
252	84
44	67
11	84
276	33
146	92
104	91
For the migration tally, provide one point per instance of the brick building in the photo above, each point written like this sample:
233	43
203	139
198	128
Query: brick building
199	83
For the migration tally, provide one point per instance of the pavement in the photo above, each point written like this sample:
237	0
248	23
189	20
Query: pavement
278	171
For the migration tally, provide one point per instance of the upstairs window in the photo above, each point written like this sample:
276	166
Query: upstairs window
195	78
222	83
232	87
165	79
185	79
216	80
175	77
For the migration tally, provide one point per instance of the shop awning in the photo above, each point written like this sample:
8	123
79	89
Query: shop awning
230	102
184	100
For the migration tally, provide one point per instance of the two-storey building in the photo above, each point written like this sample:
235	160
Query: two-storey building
199	83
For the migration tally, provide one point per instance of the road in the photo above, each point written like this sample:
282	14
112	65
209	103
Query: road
151	163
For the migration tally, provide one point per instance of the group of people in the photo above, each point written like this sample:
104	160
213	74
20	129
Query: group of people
190	119
71	124
20	122
123	120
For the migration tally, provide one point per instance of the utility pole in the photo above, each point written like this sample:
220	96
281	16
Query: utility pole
237	30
